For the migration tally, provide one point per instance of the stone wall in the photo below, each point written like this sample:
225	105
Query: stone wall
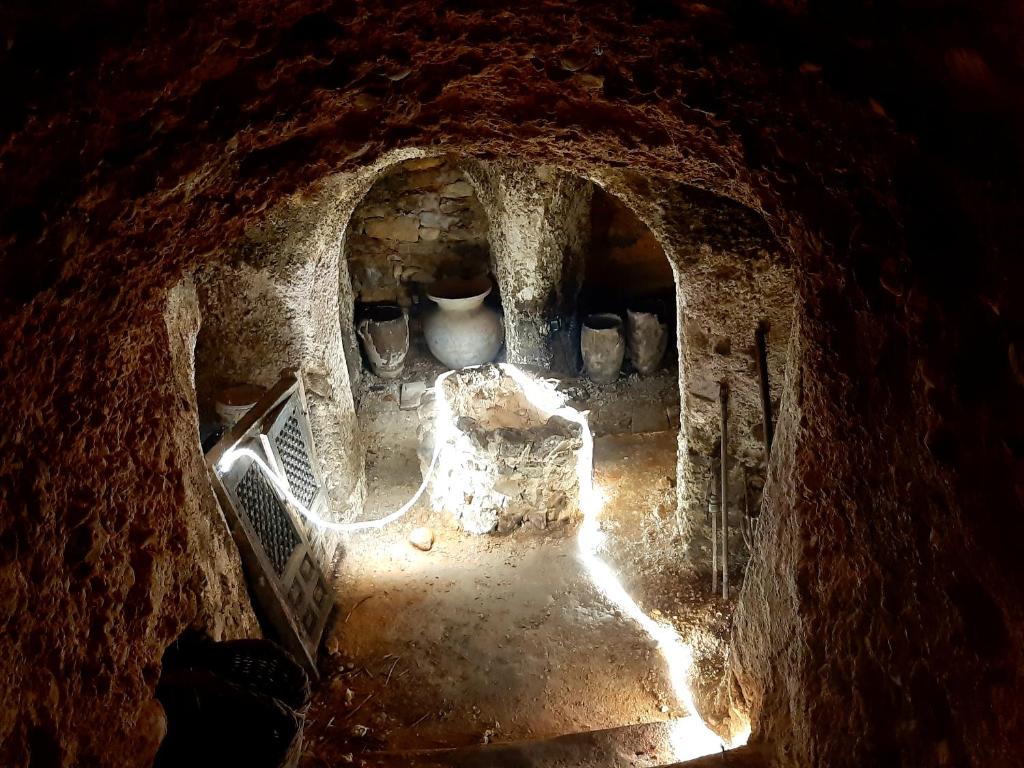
503	464
420	222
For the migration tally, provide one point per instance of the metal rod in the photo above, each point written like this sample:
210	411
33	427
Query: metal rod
713	509
761	339
723	393
746	521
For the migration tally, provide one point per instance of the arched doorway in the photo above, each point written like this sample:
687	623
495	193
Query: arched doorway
559	246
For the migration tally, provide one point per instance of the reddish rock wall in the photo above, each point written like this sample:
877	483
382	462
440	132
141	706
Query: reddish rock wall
113	541
882	620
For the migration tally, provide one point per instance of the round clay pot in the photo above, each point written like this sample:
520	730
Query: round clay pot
646	339
232	403
384	331
603	347
463	331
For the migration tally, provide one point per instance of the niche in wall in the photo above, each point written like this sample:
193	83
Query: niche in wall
626	268
419	223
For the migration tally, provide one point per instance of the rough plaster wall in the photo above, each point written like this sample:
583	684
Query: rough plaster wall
764	618
854	128
420	222
539	230
248	334
274	306
283	300
277	307
730	274
118	544
225	611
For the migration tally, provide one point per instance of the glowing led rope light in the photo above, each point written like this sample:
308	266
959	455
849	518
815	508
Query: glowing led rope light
442	423
689	736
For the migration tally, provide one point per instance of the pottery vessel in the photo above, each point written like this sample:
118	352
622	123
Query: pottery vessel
232	403
384	331
462	330
603	347
646	340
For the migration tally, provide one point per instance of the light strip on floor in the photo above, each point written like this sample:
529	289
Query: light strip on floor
443	422
690	737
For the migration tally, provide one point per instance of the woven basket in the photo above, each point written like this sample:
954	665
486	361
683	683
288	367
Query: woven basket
236	703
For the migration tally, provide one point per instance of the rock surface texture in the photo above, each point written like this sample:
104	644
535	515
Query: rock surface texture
421	222
503	463
882	617
539	227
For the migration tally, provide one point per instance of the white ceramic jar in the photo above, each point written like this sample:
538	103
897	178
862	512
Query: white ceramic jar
463	331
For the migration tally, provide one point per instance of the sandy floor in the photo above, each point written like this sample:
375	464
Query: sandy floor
501	638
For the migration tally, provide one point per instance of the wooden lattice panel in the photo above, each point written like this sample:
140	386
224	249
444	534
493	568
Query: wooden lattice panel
287	581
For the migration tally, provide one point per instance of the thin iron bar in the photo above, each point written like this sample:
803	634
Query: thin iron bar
723	393
761	339
713	510
748	522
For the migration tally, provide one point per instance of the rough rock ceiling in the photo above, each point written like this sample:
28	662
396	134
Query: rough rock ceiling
235	105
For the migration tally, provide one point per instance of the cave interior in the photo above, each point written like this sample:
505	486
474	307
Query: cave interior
556	250
616	385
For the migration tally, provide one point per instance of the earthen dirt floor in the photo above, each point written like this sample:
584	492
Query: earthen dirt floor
500	638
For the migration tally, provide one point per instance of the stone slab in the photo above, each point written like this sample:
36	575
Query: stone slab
412	394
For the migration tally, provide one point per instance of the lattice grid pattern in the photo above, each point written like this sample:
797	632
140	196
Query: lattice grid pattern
298	468
268	518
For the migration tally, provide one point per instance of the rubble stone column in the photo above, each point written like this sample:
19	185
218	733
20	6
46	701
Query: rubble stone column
539	231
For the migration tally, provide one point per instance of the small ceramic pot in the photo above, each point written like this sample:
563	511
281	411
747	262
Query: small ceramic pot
232	403
463	331
646	340
603	347
384	331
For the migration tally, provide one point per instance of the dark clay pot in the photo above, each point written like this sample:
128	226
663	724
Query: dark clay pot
384	331
603	347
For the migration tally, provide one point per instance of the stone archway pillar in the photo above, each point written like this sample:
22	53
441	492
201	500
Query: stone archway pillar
539	231
276	306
